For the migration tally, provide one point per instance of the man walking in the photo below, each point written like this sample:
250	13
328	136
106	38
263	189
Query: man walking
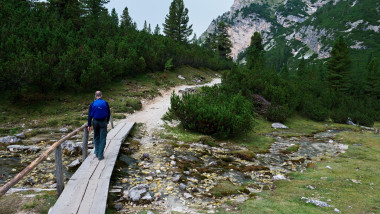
99	111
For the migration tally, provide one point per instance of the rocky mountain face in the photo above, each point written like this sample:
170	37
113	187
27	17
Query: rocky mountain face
305	28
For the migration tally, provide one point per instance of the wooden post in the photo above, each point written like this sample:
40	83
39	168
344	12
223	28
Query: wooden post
84	145
59	170
111	119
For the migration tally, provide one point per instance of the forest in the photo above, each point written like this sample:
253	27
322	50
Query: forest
74	45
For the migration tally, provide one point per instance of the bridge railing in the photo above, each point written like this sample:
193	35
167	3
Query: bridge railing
57	148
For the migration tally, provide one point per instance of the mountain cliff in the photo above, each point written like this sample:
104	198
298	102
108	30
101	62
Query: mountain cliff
303	28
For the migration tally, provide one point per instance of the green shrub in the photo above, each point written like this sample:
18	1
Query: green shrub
213	112
339	116
362	119
314	110
277	113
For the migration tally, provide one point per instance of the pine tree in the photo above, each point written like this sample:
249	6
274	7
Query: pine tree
157	30
114	18
145	28
255	52
194	40
126	20
339	66
176	22
68	9
284	71
223	41
301	67
95	7
372	83
149	29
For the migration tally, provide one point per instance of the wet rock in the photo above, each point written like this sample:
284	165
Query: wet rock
279	126
177	178
118	206
9	140
147	198
182	186
145	156
21	148
315	202
64	130
279	177
137	192
20	135
73	164
71	148
187	195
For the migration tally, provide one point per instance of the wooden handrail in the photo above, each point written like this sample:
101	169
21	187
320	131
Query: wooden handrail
38	160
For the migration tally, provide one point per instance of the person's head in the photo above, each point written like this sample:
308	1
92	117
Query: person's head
98	94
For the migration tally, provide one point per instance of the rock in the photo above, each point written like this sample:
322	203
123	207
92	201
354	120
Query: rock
279	177
71	148
124	180
187	195
186	172
152	174
213	163
181	77
310	187
173	163
145	156
21	148
118	206
188	90
147	198
195	190
149	178
279	126
73	164
149	212
328	167
349	122
324	178
337	211
9	140
315	202
20	135
136	192
64	130
177	178
260	103
182	186
356	181
172	157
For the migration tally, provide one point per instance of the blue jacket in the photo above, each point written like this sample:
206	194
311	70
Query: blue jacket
90	117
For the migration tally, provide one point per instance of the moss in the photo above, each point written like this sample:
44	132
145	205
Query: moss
291	149
244	154
225	188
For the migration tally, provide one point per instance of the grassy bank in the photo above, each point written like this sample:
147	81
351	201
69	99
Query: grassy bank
70	108
351	186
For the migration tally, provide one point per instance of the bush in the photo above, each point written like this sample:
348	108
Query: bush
276	113
362	119
314	110
213	112
339	116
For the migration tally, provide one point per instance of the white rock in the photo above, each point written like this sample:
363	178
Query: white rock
64	130
279	177
279	126
328	167
187	195
315	202
337	211
310	187
181	77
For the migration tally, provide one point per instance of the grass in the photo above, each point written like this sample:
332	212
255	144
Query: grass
20	203
225	188
359	163
70	108
8	204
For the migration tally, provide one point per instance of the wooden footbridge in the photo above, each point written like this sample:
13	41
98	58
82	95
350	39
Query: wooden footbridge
87	189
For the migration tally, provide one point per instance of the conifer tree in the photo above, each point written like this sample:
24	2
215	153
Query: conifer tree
145	28
114	18
95	7
301	67
176	22
194	40
339	66
372	83
149	29
223	41
126	20
255	52
157	30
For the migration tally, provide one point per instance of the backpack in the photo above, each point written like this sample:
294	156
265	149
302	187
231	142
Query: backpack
99	109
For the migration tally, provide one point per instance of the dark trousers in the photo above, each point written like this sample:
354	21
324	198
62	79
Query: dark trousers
100	135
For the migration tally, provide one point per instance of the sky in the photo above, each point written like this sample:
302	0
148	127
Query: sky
201	12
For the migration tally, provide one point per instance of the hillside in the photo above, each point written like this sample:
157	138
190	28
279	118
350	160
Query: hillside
303	28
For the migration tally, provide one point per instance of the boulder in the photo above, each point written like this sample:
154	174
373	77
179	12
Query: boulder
145	156
71	148
279	126
21	148
10	140
20	135
315	202
73	164
137	192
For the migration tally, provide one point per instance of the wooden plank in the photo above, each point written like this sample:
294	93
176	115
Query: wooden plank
70	199
59	170
112	133
100	198
124	132
89	195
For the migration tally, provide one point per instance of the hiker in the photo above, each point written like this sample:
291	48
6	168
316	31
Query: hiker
100	111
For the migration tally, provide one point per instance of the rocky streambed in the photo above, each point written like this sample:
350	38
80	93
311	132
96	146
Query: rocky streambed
165	176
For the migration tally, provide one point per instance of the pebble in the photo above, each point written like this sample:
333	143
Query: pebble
149	178
279	177
177	178
188	195
182	186
310	187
